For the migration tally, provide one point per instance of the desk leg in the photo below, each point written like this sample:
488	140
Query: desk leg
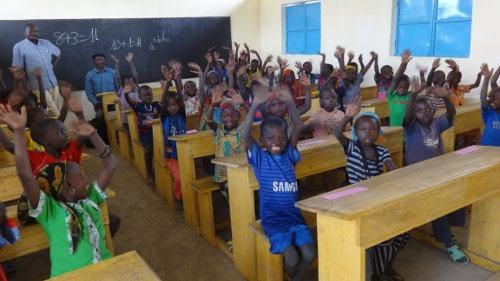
484	231
186	171
340	258
241	202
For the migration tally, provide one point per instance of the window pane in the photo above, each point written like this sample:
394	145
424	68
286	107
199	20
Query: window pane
313	15
295	18
295	42
416	37
452	9
415	10
452	39
313	41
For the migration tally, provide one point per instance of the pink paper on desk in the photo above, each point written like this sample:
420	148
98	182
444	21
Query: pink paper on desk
467	150
343	193
193	131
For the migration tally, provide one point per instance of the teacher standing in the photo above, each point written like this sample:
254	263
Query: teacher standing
32	53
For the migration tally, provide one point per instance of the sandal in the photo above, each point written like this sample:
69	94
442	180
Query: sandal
458	256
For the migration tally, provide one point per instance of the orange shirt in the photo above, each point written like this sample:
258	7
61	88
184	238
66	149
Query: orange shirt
457	95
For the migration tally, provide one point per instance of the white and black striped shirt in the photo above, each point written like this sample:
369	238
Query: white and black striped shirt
359	168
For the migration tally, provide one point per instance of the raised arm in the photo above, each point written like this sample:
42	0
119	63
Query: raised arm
494	79
283	93
196	69
38	75
247	50
405	59
241	81
118	79
484	90
353	108
133	70
217	93
177	71
17	122
350	57
377	70
266	61
230	66
260	97
477	82
421	72
435	65
364	69
283	64
306	82
360	60
258	56
236	52
65	92
416	88
339	54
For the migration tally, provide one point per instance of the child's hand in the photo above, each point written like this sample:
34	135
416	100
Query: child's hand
353	108
339	52
37	72
209	58
168	74
17	72
236	45
177	70
373	54
269	58
13	119
487	73
217	93
195	68
232	56
360	58
415	85
82	129
298	65
304	80
75	105
435	63
283	93
253	52
406	56
65	89
216	56
246	46
322	55
259	92
451	63
230	66
284	63
129	56
115	58
235	96
350	55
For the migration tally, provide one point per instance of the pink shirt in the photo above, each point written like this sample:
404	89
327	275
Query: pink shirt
322	122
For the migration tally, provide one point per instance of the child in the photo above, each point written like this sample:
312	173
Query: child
436	78
490	107
306	68
353	79
398	95
454	77
323	121
365	159
423	141
174	123
127	84
192	98
274	168
383	79
146	111
67	209
227	136
300	89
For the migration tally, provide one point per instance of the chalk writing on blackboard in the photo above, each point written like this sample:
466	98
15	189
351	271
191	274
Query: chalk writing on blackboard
132	42
74	38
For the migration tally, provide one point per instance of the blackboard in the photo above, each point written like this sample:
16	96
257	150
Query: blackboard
154	41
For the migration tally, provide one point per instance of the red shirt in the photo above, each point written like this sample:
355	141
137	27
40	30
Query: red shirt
38	159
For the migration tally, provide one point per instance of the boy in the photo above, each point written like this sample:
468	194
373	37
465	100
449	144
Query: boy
398	95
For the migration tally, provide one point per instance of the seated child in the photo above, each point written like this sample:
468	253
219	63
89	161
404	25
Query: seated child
146	111
57	195
300	89
174	123
383	79
306	68
490	107
398	94
454	77
192	97
323	121
436	78
423	141
126	83
274	168
213	79
365	159
227	136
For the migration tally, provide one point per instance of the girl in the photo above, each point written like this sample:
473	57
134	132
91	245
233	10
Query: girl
490	106
174	123
323	121
423	141
192	97
126	84
365	159
67	209
383	79
398	95
454	77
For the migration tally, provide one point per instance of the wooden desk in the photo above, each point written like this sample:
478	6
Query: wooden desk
380	107
317	156
401	200
468	118
125	267
10	189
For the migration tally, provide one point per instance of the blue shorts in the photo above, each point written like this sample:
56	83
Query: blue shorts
297	234
146	140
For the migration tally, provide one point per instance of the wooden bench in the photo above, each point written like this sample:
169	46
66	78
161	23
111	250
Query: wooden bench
406	198
125	267
163	177
380	107
137	148
110	99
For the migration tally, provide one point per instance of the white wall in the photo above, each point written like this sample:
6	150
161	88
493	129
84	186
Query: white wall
363	26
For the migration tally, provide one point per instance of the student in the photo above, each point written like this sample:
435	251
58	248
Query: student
62	200
227	136
353	79
192	97
453	79
274	168
383	79
128	82
490	107
174	123
437	79
423	141
365	159
323	121
146	111
398	95
306	68
299	88
325	73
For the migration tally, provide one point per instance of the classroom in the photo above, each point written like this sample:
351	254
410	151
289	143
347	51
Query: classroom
260	140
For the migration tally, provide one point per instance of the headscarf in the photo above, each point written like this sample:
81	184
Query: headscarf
51	181
373	115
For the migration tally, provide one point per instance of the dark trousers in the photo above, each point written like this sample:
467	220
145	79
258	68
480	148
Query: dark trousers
441	226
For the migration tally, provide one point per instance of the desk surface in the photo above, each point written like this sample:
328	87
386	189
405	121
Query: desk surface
401	184
128	266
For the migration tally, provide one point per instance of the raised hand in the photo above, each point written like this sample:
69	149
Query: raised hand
415	84
350	55
177	70
451	63
216	56
232	56
406	56
37	72
195	68
246	46
129	56
82	129
230	66
487	73
115	58
236	45
304	80
217	93
259	92
353	108
339	52
435	63
360	58
168	74
337	73
75	105
322	55
373	54
269	58
298	65
15	120
235	96
209	58
253	52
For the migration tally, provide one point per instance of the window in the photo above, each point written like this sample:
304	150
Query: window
303	28
434	27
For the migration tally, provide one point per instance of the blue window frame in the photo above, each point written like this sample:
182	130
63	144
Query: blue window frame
434	27
303	28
